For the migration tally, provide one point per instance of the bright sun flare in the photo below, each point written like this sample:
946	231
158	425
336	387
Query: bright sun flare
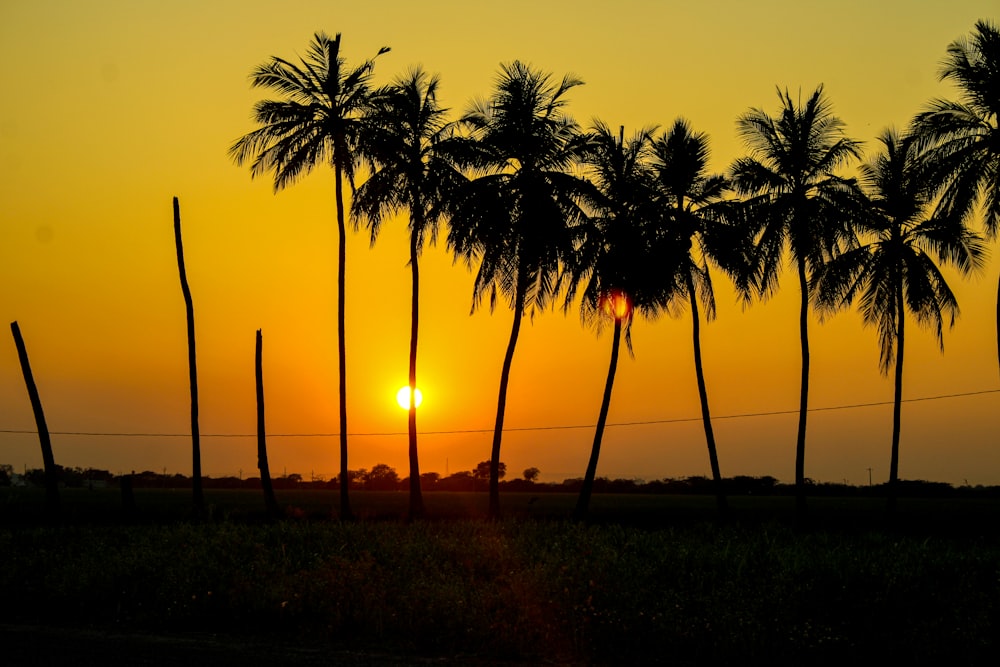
403	397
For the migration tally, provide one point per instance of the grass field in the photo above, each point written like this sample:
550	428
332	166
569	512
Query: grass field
653	580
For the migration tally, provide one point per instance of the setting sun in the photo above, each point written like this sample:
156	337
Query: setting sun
403	397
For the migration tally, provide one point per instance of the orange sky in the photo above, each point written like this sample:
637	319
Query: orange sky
112	108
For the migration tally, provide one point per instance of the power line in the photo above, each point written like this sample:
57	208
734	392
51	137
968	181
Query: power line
558	427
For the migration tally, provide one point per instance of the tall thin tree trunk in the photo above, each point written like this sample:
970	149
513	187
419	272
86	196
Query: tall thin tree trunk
270	502
48	459
998	320
706	415
199	497
345	500
800	442
897	403
583	502
494	508
416	497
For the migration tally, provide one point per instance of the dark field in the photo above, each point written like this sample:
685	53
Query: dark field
654	579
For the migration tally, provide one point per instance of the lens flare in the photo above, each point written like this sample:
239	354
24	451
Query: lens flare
616	304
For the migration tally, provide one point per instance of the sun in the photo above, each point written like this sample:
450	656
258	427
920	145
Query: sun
403	397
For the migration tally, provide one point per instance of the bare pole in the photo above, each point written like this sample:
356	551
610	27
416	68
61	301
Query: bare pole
199	497
51	482
265	472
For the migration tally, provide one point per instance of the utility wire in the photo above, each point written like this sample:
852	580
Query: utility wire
564	427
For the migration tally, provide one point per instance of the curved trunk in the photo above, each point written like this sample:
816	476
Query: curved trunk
583	502
270	502
897	403
416	497
48	459
494	508
706	416
345	501
199	497
800	442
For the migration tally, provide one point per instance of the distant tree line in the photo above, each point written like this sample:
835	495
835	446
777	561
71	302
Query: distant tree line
383	477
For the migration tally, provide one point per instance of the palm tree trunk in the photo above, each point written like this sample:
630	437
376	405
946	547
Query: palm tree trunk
416	498
199	497
48	459
800	442
998	320
345	501
270	502
494	508
897	403
583	502
706	416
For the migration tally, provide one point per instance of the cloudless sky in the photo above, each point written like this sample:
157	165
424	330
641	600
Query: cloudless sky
110	108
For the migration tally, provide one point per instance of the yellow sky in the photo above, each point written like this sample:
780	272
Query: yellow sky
112	108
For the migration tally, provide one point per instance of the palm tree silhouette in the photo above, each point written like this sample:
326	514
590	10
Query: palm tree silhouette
797	206
622	259
407	143
895	271
317	120
694	200
515	215
962	138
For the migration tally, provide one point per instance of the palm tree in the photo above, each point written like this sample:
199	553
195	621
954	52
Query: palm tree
962	139
515	216
798	208
408	146
895	271
317	120
623	259
694	200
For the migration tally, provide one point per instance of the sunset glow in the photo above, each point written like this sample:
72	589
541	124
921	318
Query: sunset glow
115	107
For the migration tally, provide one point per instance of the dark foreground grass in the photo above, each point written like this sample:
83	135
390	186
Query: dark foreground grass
542	589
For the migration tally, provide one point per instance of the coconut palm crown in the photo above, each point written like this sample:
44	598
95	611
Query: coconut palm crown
961	139
618	243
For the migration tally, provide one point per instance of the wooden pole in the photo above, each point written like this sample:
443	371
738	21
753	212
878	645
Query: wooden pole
199	498
265	472
51	472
